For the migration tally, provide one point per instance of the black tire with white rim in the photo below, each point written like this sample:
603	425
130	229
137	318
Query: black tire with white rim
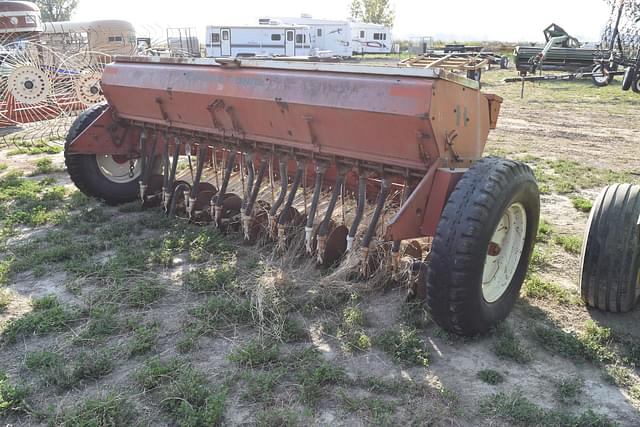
601	76
635	83
482	246
629	77
113	179
610	259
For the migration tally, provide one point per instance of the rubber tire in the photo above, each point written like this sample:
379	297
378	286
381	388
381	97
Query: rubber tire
504	63
635	84
597	83
468	221
629	77
83	168
611	251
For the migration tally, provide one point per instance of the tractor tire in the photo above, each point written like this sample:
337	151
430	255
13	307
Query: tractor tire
611	251
629	77
635	84
100	176
482	246
604	80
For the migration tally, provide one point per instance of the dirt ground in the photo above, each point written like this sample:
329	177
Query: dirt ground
311	348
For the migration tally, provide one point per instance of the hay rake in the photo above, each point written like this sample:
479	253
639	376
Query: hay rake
379	165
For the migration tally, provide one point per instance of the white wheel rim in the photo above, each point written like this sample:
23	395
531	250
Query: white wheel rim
504	252
117	172
600	76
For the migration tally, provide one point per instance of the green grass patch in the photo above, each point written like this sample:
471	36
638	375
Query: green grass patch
509	346
568	389
199	243
404	346
255	354
582	204
376	411
536	288
209	279
144	339
3	167
113	409
545	231
490	376
260	386
34	147
56	370
517	410
594	344
571	244
45	166
48	315
220	312
277	417
183	392
5	299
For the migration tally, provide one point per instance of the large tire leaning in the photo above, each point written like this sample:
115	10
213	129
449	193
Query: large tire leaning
492	192
611	250
603	80
629	76
86	173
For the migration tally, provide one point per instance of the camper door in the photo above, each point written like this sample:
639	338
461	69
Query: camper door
225	42
290	42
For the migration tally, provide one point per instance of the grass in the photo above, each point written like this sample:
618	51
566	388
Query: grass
581	204
183	392
12	397
278	417
209	279
112	409
509	346
568	389
145	338
517	410
404	346
255	354
376	411
545	231
538	289
623	377
220	312
594	344
260	386
56	370
5	300
48	315
569	176
491	377
571	244
34	147
45	166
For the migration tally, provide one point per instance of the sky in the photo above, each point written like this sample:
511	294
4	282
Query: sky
468	20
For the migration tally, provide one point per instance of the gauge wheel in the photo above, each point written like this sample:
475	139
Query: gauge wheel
482	246
601	76
111	178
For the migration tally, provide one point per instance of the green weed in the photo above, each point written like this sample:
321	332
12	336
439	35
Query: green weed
113	409
581	204
48	315
571	244
536	288
255	354
404	346
509	346
490	376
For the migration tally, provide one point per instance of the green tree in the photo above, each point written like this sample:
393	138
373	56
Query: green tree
373	11
56	10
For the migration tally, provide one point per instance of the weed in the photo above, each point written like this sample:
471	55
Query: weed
255	354
277	417
539	258
12	397
509	346
518	410
404	346
619	375
144	292
65	374
581	204
351	332
3	167
113	409
379	411
145	337
293	331
313	379
5	299
209	279
490	376
102	323
221	311
34	147
184	392
536	288
45	166
568	389
48	315
545	231
571	244
260	386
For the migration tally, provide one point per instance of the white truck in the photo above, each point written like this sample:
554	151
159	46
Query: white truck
272	39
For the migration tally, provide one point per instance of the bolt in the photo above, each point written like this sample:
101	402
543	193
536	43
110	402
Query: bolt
494	249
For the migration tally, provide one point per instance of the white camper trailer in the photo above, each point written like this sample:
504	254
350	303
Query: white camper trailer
370	38
258	40
331	36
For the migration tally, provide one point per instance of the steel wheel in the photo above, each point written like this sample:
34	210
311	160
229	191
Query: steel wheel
118	169
504	252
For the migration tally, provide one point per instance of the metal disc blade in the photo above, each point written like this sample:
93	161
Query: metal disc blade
336	246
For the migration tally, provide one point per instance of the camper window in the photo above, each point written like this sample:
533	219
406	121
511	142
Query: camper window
113	39
276	37
225	35
289	36
300	38
361	34
319	32
215	38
